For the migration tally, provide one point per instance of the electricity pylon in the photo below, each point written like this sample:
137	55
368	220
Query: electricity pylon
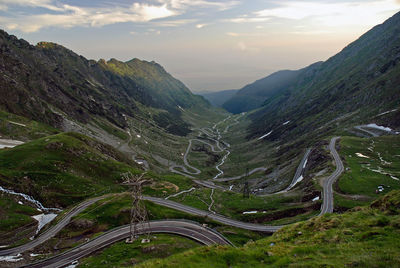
139	216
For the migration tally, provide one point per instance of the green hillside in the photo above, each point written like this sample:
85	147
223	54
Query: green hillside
364	237
62	169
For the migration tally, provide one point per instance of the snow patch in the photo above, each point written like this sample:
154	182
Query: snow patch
315	199
305	163
34	255
387	129
250	212
395	178
18	124
287	122
5	143
264	136
43	219
138	136
299	179
361	155
230	188
14	258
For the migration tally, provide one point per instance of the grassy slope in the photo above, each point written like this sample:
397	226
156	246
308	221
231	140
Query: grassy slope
15	220
362	177
122	254
115	210
20	128
63	169
364	237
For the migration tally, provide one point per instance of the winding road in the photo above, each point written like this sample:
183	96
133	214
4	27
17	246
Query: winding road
327	205
184	228
51	232
214	135
215	217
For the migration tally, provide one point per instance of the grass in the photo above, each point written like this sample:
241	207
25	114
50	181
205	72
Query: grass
366	237
20	128
114	211
363	177
16	222
63	169
121	254
231	204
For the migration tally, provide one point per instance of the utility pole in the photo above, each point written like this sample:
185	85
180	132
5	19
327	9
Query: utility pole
139	216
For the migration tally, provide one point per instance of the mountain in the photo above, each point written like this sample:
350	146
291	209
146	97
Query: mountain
255	94
357	84
220	97
39	82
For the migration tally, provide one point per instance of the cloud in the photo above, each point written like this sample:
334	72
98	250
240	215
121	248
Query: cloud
331	13
69	16
48	4
249	19
183	4
56	14
173	23
199	26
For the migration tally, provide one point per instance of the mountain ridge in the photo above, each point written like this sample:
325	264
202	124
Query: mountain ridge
38	80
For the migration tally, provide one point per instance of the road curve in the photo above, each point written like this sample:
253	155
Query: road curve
53	230
188	229
215	217
327	205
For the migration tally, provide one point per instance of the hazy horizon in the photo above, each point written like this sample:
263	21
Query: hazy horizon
208	45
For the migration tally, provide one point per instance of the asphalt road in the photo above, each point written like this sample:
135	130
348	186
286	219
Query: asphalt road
327	205
299	172
53	230
363	129
215	217
187	229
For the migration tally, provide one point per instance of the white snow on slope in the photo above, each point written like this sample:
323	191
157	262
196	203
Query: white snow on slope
5	143
43	219
250	212
387	129
361	155
14	258
299	179
305	163
315	199
266	135
287	122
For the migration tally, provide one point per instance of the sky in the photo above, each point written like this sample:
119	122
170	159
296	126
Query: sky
209	45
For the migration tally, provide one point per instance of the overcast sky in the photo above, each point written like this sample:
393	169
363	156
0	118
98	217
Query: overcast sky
208	44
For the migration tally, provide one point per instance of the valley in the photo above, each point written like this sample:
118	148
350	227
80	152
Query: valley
298	168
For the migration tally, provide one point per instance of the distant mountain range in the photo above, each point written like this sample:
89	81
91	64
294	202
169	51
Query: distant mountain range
360	82
41	81
220	97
